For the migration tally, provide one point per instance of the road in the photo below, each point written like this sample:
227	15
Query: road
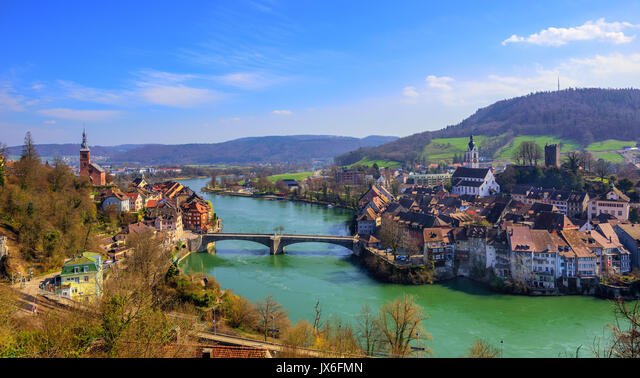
241	341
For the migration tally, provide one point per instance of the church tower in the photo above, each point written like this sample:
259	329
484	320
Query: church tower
85	156
471	157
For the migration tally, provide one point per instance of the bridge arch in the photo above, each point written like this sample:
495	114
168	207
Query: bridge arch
276	243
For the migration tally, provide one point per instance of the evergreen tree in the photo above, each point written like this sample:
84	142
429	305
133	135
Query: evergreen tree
29	149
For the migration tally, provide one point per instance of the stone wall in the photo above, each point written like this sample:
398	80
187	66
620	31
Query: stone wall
386	271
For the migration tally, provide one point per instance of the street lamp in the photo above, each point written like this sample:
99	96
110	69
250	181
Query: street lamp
274	331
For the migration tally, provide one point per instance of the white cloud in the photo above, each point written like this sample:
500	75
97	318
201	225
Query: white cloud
410	92
38	86
590	30
80	115
50	122
96	95
282	112
607	71
164	77
10	101
442	82
179	96
249	80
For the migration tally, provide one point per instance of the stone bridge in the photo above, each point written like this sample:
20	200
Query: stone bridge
277	242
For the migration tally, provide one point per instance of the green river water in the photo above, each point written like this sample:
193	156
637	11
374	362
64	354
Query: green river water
459	312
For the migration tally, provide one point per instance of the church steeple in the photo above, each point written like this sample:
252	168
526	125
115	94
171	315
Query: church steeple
84	145
471	157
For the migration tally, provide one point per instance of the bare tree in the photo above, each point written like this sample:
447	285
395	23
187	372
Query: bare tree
368	331
587	160
528	153
482	349
400	322
626	331
602	169
271	316
316	319
391	235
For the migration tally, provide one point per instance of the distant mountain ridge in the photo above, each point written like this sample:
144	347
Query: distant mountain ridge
583	115
268	149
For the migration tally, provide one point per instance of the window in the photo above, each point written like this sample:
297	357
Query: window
86	278
76	269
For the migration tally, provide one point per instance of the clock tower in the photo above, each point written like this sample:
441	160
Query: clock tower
471	157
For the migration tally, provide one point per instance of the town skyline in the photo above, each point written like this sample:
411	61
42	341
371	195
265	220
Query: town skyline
223	71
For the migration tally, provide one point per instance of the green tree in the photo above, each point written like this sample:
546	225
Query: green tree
625	184
573	161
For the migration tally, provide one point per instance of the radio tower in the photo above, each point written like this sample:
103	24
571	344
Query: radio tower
558	83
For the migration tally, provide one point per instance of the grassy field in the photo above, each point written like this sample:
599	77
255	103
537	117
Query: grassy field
506	152
609	156
610	145
298	176
445	148
381	163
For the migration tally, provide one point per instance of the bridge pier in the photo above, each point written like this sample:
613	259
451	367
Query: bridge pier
276	247
211	248
357	248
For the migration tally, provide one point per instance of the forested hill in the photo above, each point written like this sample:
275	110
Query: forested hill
582	115
271	149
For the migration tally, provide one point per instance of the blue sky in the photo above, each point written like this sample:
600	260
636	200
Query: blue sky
209	71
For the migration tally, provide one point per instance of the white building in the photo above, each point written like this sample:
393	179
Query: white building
474	181
534	257
614	203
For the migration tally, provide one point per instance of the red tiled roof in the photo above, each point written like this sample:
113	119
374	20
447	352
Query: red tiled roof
574	239
133	195
436	234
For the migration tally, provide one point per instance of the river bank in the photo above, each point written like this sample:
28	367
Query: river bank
273	197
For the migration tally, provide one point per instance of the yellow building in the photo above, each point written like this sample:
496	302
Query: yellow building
81	277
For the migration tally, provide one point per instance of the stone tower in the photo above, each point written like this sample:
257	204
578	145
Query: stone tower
552	155
85	156
471	157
